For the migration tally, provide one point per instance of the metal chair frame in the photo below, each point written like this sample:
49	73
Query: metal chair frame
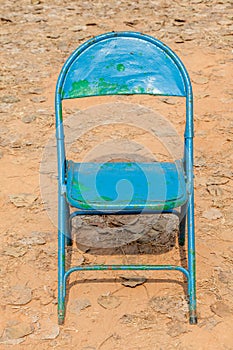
186	214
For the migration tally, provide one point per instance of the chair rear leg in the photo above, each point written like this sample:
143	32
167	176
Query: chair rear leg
182	225
191	263
61	273
63	218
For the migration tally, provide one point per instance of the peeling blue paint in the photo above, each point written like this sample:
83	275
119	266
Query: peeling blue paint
97	70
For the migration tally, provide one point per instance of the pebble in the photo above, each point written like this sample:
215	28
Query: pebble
7	341
49	330
212	214
9	99
79	304
38	99
172	307
18	295
19	330
221	309
200	162
108	301
53	36
169	100
200	80
15	251
28	119
36	238
133	281
78	28
176	329
23	199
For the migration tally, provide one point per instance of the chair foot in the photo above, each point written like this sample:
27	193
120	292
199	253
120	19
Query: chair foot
193	317
61	317
60	321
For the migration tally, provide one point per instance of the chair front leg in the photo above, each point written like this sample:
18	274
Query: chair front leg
191	262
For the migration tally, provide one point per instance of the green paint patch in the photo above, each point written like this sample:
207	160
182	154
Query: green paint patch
139	90
100	87
106	198
81	87
79	186
120	67
104	87
62	94
60	113
107	88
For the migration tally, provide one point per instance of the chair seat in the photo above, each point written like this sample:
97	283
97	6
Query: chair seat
126	186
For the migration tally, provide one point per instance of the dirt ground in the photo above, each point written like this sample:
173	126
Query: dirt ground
109	310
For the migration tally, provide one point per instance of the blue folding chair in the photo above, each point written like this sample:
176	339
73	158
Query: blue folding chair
124	63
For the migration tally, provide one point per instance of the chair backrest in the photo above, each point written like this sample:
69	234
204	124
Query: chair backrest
123	63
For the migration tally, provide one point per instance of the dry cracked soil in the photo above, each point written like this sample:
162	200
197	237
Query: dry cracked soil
112	310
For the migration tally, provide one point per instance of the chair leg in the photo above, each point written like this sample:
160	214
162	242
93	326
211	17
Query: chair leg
63	233
182	225
191	263
61	273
